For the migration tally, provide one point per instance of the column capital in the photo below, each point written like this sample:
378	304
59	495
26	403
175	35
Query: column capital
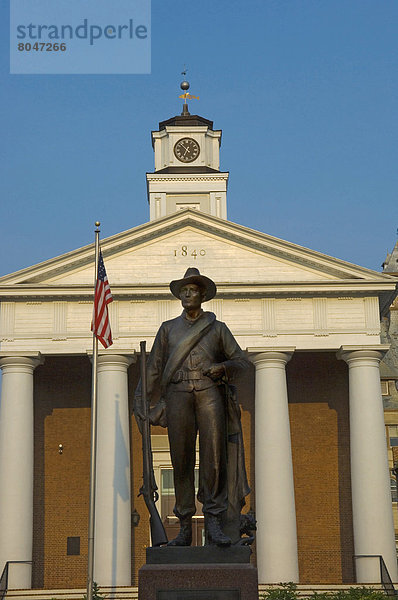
275	356
19	362
114	362
362	353
115	357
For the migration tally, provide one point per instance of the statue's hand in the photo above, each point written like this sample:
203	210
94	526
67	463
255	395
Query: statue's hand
215	372
157	414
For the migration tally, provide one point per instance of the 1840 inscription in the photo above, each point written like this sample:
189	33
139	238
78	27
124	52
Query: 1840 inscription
185	251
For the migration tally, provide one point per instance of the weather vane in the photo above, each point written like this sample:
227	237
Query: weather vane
186	96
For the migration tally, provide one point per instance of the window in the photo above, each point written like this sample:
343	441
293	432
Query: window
393	435
384	388
394	489
73	546
165	480
167	496
167	501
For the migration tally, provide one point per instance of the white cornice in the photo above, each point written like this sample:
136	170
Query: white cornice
350	287
185	129
21	353
187	177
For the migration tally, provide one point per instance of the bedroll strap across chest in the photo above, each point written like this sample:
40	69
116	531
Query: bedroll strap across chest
187	343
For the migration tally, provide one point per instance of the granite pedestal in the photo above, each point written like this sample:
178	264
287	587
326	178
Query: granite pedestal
198	573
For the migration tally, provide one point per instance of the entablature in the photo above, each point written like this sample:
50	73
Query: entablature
304	321
348	288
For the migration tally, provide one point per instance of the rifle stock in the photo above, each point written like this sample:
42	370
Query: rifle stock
149	488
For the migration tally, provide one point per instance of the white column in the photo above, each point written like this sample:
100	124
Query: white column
276	539
16	467
370	479
112	555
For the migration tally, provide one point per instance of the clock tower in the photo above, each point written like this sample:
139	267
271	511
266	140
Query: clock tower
187	166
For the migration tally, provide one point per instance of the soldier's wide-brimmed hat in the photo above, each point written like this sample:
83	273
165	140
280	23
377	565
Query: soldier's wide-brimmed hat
192	275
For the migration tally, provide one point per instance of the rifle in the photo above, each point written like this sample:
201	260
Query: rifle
149	487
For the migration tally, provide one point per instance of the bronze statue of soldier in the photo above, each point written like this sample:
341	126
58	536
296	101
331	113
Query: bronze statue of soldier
192	361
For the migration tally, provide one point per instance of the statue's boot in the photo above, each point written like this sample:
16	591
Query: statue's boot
184	538
214	534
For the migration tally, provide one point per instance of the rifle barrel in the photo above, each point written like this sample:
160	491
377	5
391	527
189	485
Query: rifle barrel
149	487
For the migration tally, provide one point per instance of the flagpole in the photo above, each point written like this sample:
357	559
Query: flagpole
93	458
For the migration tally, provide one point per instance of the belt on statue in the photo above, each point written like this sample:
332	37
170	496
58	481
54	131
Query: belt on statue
187	376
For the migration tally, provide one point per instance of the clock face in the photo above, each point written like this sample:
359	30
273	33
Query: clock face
186	150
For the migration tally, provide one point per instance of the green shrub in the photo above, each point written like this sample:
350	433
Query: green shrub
288	591
360	593
96	593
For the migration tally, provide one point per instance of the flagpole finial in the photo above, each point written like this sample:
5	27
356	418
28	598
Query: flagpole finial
97	223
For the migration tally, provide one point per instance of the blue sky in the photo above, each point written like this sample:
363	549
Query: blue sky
305	92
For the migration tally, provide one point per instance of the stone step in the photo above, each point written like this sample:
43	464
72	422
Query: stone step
114	593
131	593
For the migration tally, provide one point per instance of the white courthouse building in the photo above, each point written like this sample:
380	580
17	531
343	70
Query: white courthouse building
312	410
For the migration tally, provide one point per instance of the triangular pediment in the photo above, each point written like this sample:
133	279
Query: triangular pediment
155	253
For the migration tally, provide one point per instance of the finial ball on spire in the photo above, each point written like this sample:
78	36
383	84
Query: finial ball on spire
184	85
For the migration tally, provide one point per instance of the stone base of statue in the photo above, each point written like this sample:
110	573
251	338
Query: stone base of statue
198	573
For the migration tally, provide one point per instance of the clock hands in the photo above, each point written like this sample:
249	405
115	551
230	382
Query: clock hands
186	150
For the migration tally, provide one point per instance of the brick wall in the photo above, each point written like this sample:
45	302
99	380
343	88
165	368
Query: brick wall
61	481
318	404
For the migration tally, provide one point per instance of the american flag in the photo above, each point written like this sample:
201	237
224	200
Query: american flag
100	325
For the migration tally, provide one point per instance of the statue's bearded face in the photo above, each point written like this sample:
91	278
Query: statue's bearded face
191	296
